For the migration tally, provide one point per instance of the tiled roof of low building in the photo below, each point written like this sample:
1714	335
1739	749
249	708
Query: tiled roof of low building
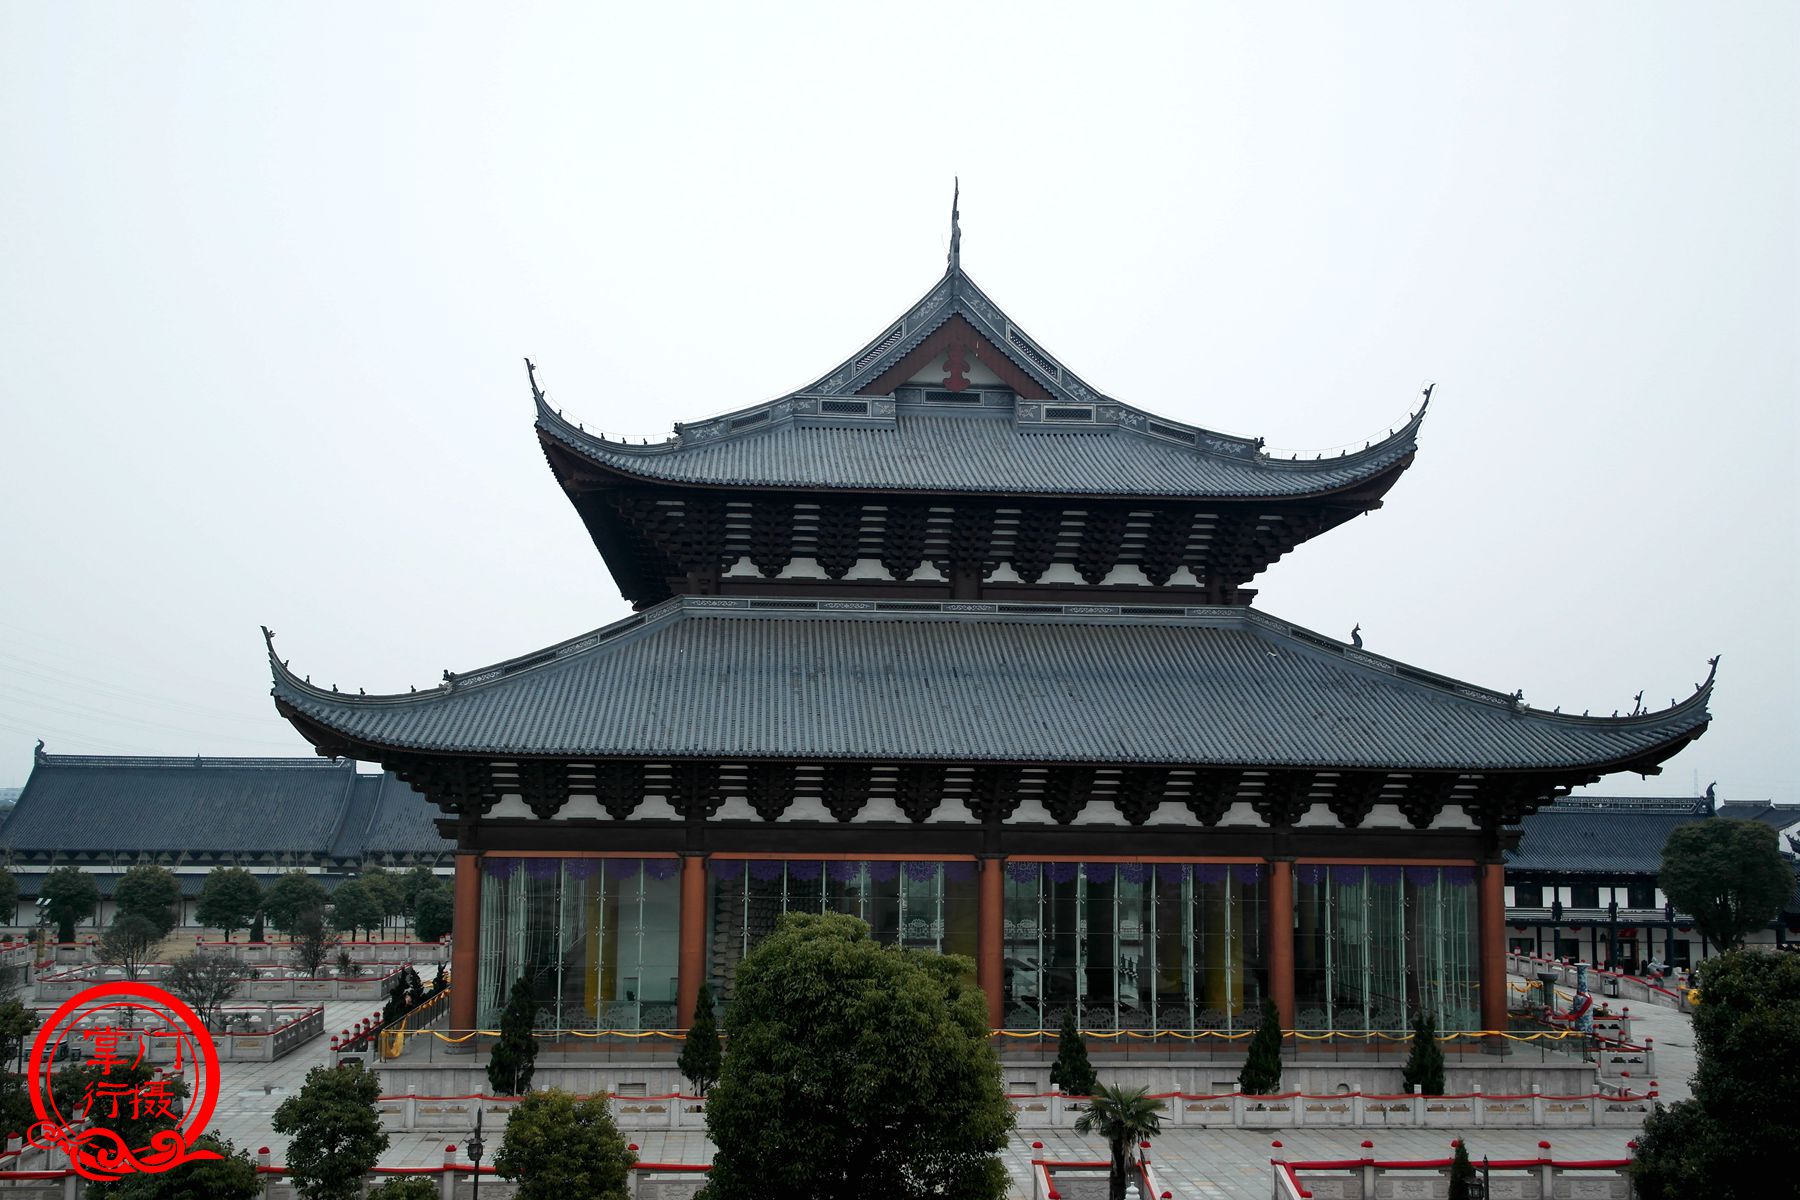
1601	835
908	680
129	805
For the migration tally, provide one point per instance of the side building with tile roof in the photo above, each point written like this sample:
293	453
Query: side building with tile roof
106	814
1582	880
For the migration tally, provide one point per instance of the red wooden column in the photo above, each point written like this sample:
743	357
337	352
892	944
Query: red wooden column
1491	956
692	961
465	950
1281	938
988	936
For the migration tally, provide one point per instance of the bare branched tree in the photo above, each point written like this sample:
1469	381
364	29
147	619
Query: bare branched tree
206	979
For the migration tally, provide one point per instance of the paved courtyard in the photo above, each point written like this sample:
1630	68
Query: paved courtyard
1205	1163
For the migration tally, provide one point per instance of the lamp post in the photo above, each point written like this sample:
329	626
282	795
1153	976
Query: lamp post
475	1149
1556	928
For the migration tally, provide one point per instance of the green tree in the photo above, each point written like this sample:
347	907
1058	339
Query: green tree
384	887
701	1053
72	896
415	881
1262	1066
9	898
17	1024
1425	1061
433	913
855	1069
353	907
335	1133
1729	875
313	943
1124	1117
557	1146
149	892
129	943
514	1056
291	898
413	1187
206	979
231	1176
229	899
1738	1133
1072	1072
1462	1172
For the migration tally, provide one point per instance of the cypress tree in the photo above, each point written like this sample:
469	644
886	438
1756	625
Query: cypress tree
1262	1069
701	1053
1425	1063
1072	1072
514	1056
1462	1173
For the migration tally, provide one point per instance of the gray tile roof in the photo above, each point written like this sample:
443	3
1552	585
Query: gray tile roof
107	804
1600	835
729	677
908	445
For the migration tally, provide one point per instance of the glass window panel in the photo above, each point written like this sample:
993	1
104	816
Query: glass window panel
1022	934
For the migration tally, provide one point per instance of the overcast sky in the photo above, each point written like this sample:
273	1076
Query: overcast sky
267	274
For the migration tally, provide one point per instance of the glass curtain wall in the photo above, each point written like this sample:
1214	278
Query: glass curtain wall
598	939
1134	945
1375	944
930	905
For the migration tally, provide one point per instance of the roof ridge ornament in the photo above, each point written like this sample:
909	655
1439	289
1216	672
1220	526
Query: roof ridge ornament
955	224
537	393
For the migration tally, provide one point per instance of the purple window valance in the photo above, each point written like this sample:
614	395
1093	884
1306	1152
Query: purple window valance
726	868
1062	872
884	871
581	868
1023	872
543	869
1247	872
661	868
1135	872
766	870
959	872
921	872
805	870
500	868
1210	872
1100	872
1422	876
1459	877
1383	876
842	870
1173	872
1311	874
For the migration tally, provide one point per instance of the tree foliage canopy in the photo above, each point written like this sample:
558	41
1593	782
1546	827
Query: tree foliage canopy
433	912
701	1053
72	895
355	906
9	895
335	1133
514	1056
231	1177
1262	1066
1729	875
206	979
129	943
854	1069
407	1187
291	898
1425	1061
1738	1132
1072	1073
557	1146
229	899
103	1090
149	892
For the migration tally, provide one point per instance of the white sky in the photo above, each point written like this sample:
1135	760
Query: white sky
267	274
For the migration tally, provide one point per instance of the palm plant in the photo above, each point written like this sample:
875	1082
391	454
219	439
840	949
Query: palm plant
1122	1116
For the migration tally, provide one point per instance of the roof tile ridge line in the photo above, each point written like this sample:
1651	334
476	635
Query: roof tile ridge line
576	436
1316	641
921	308
1003	611
343	813
455	681
186	760
381	786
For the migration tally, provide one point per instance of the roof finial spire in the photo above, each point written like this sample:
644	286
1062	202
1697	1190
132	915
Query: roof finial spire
955	225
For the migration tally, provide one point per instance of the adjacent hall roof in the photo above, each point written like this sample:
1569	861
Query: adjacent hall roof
1050	434
1602	835
126	805
715	677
